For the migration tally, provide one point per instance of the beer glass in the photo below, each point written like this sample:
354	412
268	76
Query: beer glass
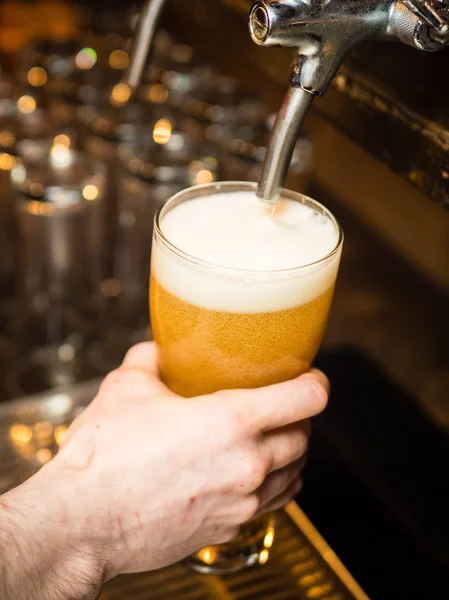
58	195
221	328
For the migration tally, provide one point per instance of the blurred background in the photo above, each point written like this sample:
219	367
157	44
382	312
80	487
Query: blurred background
84	167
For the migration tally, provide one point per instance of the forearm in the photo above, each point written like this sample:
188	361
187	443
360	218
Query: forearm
42	554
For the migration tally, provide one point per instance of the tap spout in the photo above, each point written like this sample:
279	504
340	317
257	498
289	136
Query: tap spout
148	22
282	143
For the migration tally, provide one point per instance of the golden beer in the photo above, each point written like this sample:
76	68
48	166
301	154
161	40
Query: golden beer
222	327
204	350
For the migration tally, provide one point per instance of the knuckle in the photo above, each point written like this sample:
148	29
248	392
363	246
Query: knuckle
122	382
111	382
255	470
239	423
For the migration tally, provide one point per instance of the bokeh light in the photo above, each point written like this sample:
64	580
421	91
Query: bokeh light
62	140
26	104
162	131
7	161
118	59
20	434
86	59
120	94
37	76
90	192
157	93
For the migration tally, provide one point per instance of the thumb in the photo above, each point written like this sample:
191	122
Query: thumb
143	356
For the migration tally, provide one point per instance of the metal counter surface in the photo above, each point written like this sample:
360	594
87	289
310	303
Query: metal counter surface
300	566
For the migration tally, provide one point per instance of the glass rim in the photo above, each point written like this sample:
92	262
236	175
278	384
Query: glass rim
245	186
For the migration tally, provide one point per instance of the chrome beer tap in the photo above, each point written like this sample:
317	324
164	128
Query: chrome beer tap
323	32
148	21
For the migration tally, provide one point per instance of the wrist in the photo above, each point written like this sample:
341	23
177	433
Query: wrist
53	549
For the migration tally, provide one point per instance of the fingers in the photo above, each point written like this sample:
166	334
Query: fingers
282	499
278	482
274	406
142	356
286	444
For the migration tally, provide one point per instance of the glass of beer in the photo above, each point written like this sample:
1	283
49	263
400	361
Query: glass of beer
240	292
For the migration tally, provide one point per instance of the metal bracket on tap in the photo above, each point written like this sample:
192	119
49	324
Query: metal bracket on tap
435	14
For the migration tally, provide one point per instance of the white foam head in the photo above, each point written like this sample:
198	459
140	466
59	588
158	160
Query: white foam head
257	255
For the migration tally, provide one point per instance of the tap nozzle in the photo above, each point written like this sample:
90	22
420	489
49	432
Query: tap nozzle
148	21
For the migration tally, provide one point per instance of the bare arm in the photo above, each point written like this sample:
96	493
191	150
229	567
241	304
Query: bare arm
43	556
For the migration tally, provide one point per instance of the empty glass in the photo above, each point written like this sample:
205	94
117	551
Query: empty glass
20	119
149	173
118	121
7	262
57	207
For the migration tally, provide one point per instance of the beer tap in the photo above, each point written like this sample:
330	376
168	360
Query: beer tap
146	29
322	33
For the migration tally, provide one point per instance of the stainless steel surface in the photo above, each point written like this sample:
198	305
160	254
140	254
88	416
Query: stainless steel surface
282	143
323	32
300	565
145	34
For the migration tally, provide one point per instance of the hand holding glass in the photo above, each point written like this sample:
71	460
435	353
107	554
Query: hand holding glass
220	326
